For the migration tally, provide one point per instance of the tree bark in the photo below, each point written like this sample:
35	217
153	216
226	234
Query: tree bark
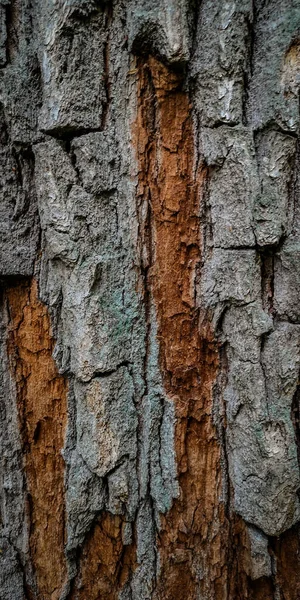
150	293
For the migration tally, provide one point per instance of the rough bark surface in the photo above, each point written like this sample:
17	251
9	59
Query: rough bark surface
150	293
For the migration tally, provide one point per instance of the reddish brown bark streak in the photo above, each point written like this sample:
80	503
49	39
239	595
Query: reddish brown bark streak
287	552
105	563
193	534
42	406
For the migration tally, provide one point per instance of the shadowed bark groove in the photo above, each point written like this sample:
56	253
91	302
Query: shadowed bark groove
286	549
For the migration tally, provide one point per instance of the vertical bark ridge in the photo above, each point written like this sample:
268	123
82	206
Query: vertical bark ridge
42	406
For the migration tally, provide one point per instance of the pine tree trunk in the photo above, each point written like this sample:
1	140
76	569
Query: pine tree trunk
150	300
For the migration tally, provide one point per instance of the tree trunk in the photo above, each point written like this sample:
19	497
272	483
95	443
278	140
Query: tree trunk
150	300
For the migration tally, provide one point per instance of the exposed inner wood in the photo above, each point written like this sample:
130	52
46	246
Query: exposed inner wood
194	532
106	564
42	407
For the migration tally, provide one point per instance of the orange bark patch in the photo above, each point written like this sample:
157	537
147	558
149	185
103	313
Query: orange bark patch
192	540
42	406
105	563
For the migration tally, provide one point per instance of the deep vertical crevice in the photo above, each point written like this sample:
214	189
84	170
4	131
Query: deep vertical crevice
294	189
286	552
296	419
12	29
106	68
267	257
248	67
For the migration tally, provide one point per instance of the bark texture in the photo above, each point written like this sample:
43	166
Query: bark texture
150	293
